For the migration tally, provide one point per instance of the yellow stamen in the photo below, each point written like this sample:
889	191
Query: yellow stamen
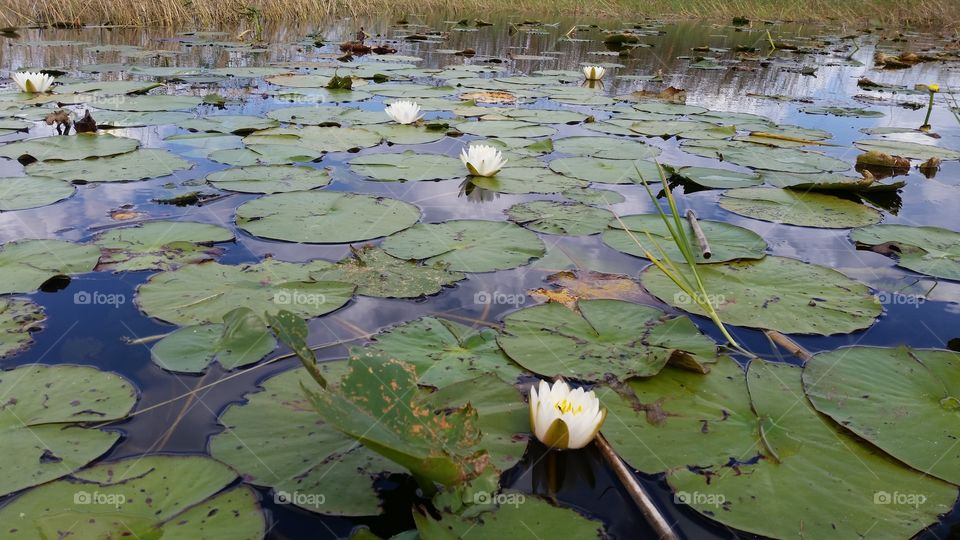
565	406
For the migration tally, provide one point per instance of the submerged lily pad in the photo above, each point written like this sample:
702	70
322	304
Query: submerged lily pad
159	245
20	193
378	274
758	156
57	147
142	497
204	293
242	339
18	318
603	338
137	165
45	408
26	264
408	166
269	179
553	217
775	293
798	208
928	250
749	451
467	245
325	217
902	400
605	147
727	241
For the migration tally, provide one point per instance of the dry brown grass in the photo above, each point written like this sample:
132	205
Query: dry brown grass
208	13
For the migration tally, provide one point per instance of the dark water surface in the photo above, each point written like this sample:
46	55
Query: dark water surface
93	334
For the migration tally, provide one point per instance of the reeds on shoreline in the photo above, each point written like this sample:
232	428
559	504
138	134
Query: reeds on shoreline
209	13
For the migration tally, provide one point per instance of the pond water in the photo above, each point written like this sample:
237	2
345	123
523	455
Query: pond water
741	74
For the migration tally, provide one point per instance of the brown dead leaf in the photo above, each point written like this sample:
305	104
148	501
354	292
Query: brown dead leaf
874	158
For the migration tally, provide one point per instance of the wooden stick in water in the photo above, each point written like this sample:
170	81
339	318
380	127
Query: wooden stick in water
789	344
698	232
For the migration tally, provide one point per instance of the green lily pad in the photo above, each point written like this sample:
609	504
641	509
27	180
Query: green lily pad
265	154
407	134
727	241
718	178
82	146
125	119
314	115
798	208
902	400
269	179
159	245
775	293
378	274
830	182
467	245
20	193
43	418
604	338
596	197
411	91
928	250
314	461
136	165
607	171
408	166
749	451
856	112
204	293
25	265
758	156
682	129
505	128
605	147
18	318
530	518
242	339
142	497
444	352
907	149
147	103
554	217
527	180
313	138
545	116
325	217
236	124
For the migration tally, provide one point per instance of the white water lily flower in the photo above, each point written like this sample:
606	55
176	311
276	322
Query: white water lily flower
482	159
404	112
33	82
593	73
565	419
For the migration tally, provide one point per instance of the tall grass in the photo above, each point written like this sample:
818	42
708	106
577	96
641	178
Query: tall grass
208	13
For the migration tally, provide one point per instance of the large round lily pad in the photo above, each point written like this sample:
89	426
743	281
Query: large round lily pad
204	293
775	293
140	497
378	274
26	264
314	138
553	217
798	208
607	171
604	338
20	193
928	250
727	241
467	245
605	147
905	401
758	156
235	124
159	245
408	166
717	178
152	103
325	217
907	149
505	128
137	165
57	147
749	451
269	179
45	407
18	318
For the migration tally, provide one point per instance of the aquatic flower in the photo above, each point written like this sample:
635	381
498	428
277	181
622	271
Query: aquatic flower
593	73
934	88
563	418
30	81
482	160
404	112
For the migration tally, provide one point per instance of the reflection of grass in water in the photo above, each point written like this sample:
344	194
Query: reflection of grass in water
203	13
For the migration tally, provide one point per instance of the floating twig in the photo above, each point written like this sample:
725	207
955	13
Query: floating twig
790	345
698	232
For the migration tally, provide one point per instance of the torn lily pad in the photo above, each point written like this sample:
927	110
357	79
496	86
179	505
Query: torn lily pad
25	265
18	318
159	245
928	250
